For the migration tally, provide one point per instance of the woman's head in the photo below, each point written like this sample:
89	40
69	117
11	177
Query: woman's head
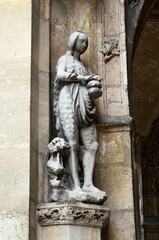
78	41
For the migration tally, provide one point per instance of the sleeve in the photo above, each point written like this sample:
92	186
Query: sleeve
61	69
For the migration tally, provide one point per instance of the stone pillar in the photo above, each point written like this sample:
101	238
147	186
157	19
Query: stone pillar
72	221
39	109
113	170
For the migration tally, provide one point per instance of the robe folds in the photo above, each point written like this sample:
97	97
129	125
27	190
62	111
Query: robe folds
74	107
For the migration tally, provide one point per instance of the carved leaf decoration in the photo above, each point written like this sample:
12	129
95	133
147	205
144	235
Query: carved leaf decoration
110	48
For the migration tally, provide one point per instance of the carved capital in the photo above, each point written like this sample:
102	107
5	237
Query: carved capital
72	214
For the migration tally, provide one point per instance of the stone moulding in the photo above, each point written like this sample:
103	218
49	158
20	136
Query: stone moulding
80	214
114	121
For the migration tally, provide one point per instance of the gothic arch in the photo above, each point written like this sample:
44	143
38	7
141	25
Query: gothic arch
142	35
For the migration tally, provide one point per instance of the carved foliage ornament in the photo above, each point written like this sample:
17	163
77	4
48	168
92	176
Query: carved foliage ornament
72	214
110	48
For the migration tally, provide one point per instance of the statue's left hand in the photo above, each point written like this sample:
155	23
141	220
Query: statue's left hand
95	77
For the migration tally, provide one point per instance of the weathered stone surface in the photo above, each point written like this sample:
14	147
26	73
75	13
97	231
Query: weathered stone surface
44	109
44	46
44	114
43	181
117	180
121	226
111	18
69	232
14	225
33	219
14	188
114	146
19	12
34	108
34	174
45	6
15	68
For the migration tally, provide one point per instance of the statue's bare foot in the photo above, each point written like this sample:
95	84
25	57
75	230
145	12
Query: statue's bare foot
88	194
77	189
91	188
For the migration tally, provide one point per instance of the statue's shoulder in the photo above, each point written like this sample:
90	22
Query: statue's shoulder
62	60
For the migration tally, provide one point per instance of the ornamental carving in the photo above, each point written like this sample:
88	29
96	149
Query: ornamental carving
110	48
53	214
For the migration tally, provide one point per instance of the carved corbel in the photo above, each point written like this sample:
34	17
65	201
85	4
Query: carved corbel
134	2
110	48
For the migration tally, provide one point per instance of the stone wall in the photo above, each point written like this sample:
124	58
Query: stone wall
15	66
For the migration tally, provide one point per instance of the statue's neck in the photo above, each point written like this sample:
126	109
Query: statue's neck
76	55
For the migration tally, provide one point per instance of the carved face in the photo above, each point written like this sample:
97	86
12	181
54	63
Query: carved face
82	43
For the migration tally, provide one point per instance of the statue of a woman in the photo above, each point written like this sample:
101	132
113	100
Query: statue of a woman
74	108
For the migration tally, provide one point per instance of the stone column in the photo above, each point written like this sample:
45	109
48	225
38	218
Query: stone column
71	221
113	170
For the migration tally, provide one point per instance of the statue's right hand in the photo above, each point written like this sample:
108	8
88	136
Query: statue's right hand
73	76
86	79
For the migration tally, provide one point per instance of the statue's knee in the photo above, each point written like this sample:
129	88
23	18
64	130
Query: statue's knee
73	145
93	146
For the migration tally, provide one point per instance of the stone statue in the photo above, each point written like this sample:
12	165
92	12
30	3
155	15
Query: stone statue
75	90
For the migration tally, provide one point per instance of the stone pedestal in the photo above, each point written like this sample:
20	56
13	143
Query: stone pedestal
71	221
